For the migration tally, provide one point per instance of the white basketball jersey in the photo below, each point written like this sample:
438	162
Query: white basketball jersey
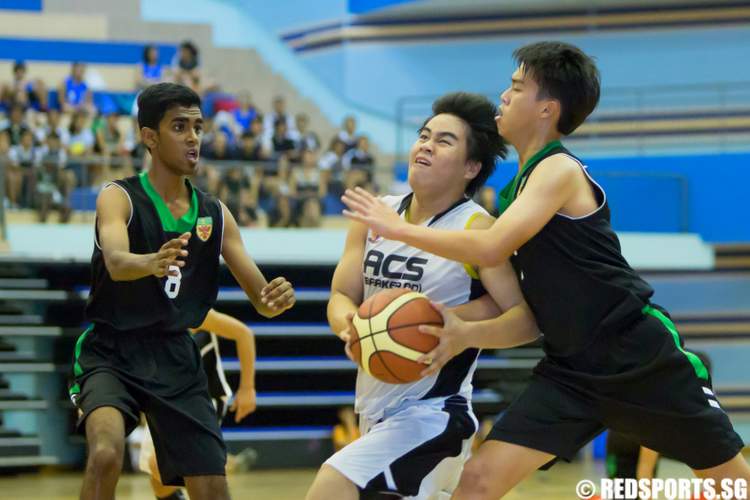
393	264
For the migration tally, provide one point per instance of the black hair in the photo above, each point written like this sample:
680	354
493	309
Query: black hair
483	143
156	100
146	50
190	46
565	73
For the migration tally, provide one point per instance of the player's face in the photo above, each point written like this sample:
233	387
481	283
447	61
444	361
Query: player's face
519	106
178	143
437	160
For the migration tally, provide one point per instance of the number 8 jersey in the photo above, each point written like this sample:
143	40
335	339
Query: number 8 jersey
171	303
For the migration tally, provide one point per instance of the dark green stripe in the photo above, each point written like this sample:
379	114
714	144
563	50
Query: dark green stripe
700	369
171	225
77	370
508	193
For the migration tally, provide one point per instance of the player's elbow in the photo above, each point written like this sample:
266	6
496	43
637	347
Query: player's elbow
487	256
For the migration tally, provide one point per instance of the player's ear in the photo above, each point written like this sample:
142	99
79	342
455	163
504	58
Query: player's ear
551	108
149	137
473	168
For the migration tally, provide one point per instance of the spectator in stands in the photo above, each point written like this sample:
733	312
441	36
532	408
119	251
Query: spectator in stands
240	196
279	113
348	134
23	91
250	148
488	200
54	182
110	143
149	71
359	164
73	93
281	143
304	140
219	149
244	113
22	159
309	213
332	166
17	126
282	215
186	65
81	146
306	181
256	127
52	124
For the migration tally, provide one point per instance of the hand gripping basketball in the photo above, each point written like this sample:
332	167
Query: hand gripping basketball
385	339
451	340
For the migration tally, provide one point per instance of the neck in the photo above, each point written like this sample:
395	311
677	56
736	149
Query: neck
424	206
527	147
170	187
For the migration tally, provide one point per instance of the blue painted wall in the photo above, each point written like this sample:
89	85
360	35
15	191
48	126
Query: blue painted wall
32	5
647	197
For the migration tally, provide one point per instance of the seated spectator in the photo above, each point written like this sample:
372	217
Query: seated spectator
281	215
54	182
52	124
243	114
219	148
16	126
23	91
348	134
186	64
279	113
281	143
74	94
149	71
240	196
309	213
250	148
488	200
306	181
22	159
110	143
81	147
304	140
359	164
332	166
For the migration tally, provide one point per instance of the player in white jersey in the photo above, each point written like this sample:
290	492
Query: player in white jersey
416	436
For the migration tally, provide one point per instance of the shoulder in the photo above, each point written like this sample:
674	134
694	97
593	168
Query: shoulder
556	170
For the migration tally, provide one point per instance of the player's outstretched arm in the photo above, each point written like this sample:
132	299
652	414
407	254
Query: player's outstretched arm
269	299
231	328
548	189
347	289
113	212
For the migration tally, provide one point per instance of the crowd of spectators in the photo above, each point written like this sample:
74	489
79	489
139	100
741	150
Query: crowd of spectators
268	165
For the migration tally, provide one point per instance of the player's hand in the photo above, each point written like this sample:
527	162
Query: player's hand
244	403
278	295
171	253
346	336
452	340
370	210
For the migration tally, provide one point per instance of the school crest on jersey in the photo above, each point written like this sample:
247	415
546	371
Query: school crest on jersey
203	227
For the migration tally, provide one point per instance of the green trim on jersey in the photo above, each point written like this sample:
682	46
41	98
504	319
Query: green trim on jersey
611	465
77	370
508	193
700	369
171	225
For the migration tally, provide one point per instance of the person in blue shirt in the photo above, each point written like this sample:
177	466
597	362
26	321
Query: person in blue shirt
73	93
149	70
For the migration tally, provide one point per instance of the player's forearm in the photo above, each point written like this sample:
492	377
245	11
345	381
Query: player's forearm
246	355
339	305
126	266
479	309
470	247
514	327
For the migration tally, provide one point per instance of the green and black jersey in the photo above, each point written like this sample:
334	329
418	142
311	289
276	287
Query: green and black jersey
572	273
171	303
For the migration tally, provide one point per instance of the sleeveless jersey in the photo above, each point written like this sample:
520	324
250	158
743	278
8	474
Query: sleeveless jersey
170	303
572	273
393	264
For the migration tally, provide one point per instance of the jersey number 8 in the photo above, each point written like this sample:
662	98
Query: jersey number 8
172	285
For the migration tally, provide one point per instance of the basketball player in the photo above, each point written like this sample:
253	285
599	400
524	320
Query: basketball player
222	325
416	436
613	359
155	273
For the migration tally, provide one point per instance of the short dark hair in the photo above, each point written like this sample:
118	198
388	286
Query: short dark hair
156	100
565	73
483	143
146	50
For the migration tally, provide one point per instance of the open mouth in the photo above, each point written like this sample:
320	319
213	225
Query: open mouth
192	155
422	161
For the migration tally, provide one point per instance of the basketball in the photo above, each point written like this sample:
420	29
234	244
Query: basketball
387	342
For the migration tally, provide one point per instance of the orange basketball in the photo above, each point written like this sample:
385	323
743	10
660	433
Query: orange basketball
387	343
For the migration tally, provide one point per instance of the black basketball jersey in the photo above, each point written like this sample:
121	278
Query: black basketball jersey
572	273
170	303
